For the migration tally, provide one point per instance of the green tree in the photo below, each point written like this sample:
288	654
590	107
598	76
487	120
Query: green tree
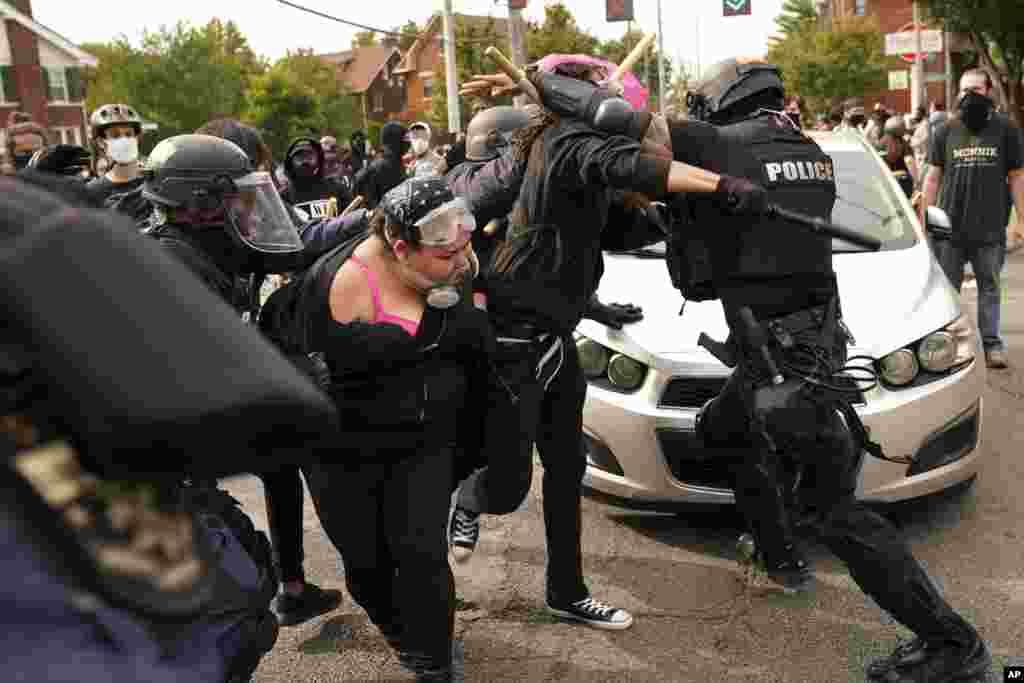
794	12
364	39
409	33
825	66
646	70
558	33
300	95
996	29
472	37
102	82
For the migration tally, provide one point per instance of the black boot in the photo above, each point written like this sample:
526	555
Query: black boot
933	663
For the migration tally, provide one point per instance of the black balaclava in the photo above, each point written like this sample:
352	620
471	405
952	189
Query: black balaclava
306	171
975	110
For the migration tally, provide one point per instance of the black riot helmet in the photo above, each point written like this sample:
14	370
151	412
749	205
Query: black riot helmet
490	130
207	182
736	87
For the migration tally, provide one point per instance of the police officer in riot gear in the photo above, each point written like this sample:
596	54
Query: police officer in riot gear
229	224
786	403
113	386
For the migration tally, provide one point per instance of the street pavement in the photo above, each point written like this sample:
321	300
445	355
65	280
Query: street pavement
677	572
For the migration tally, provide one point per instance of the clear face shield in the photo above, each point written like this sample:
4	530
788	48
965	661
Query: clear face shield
258	217
448	225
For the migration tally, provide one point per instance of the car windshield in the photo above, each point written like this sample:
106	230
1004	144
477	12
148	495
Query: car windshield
867	201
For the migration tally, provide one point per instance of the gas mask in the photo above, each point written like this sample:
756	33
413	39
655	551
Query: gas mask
975	110
123	150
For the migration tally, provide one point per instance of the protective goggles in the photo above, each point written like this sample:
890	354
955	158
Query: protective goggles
255	210
447	225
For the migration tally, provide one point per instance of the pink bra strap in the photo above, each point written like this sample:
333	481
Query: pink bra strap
371	280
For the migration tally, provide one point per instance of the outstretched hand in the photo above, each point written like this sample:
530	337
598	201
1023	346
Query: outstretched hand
489	85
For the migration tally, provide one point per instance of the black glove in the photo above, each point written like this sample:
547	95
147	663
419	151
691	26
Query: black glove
613	315
61	159
742	197
467	331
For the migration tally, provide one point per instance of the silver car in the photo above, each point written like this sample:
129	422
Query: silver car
647	381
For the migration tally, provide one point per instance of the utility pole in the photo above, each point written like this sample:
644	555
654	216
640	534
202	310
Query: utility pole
518	45
917	85
451	82
661	65
946	58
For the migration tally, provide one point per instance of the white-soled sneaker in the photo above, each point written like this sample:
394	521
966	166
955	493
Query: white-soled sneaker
594	613
463	533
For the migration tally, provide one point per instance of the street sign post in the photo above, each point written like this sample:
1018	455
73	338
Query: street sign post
903	43
619	10
736	8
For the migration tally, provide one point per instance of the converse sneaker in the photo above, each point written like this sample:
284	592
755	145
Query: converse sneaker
463	533
593	613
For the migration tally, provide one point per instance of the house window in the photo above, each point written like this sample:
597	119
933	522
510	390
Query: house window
859	7
57	81
378	101
428	87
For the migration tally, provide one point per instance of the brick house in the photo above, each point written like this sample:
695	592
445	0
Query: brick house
40	73
894	16
370	75
425	60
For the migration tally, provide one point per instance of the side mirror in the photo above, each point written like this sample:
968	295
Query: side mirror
938	224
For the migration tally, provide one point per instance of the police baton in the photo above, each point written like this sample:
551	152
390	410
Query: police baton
823	227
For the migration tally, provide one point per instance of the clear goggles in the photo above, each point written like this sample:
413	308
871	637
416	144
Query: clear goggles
449	224
255	210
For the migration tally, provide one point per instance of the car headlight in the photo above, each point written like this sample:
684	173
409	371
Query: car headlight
593	357
899	367
625	373
947	348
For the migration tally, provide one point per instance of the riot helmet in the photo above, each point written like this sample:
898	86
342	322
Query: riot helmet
205	182
736	87
491	130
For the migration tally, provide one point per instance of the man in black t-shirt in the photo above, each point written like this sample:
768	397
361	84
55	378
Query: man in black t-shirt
971	160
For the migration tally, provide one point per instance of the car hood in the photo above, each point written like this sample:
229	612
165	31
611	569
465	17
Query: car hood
889	299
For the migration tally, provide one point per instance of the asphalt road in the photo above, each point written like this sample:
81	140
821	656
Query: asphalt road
678	574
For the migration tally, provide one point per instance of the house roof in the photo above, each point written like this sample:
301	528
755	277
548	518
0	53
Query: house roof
359	66
434	24
8	11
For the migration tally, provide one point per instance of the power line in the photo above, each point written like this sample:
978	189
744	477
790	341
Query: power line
415	36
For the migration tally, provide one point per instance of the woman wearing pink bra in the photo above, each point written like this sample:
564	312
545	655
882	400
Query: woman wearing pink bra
408	352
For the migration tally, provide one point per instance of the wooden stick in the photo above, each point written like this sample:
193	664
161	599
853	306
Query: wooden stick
356	203
632	57
517	75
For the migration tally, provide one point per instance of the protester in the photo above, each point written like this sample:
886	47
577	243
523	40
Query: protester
970	161
425	160
24	137
540	284
360	151
309	188
115	133
794	110
897	154
408	354
377	178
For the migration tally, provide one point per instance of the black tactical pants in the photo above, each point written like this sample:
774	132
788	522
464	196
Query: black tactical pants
283	493
805	428
387	519
548	411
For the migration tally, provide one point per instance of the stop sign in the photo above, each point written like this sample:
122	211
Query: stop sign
909	56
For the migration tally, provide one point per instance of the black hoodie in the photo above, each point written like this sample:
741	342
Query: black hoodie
384	173
311	194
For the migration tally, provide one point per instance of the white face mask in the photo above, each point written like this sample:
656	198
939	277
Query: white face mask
419	146
123	150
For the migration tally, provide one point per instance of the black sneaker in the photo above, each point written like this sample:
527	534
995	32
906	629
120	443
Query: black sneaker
463	533
794	574
943	664
907	653
311	602
593	613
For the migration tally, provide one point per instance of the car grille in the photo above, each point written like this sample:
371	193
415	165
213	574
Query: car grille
694	392
691	463
691	392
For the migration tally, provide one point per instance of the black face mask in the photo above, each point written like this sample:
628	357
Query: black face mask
794	117
975	110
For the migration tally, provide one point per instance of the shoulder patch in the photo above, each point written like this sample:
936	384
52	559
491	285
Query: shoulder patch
799	171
